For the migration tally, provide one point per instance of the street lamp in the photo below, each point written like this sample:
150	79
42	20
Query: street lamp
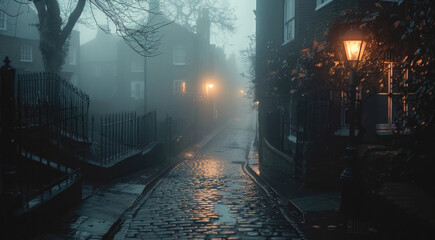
354	46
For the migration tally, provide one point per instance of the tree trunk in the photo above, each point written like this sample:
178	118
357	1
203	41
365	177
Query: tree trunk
52	37
52	51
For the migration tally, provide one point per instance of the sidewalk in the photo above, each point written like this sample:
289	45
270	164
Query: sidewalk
102	209
316	211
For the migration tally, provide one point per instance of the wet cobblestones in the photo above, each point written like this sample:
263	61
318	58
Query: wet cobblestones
209	197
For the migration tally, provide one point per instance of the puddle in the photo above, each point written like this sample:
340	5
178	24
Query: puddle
224	214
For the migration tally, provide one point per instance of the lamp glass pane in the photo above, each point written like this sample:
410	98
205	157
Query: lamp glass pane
354	50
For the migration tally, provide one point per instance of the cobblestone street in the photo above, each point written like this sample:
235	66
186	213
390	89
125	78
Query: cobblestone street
209	197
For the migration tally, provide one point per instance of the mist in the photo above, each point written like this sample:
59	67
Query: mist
224	119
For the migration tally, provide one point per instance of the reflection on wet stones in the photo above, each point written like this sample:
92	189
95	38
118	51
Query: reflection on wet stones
208	197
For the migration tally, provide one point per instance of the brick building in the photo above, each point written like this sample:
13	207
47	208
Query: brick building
19	40
312	133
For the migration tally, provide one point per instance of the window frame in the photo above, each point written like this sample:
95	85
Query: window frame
137	90
322	3
179	87
137	66
289	9
388	127
26	51
3	22
176	55
72	56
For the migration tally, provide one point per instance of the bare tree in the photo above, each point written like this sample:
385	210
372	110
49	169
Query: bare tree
248	56
132	20
57	18
186	12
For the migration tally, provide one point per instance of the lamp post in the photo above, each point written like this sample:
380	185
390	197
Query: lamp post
212	94
354	46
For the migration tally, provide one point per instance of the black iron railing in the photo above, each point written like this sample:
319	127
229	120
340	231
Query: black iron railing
47	99
115	136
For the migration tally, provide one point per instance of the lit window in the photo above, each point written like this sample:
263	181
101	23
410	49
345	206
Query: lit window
72	56
179	55
137	90
3	24
389	92
137	66
321	3
26	53
289	20
179	88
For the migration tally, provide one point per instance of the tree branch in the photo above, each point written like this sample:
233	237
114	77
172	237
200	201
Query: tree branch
42	12
75	15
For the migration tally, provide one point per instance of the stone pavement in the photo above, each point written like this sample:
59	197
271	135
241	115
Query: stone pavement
102	206
209	197
100	209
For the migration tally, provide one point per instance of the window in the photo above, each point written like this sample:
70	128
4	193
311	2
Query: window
345	114
293	128
72	56
137	66
26	53
321	3
395	103
179	88
137	90
3	24
179	55
289	20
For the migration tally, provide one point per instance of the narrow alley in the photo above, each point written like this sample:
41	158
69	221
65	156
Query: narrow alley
209	197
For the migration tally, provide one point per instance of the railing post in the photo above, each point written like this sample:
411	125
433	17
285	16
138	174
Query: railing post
7	108
101	138
155	125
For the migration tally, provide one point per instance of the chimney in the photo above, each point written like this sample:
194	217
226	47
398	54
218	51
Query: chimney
203	26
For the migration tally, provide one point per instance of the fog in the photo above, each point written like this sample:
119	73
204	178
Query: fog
195	78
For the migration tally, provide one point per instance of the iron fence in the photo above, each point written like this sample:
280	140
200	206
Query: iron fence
47	99
170	128
121	134
50	190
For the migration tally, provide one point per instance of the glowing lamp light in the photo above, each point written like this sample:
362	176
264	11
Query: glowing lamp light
354	46
210	85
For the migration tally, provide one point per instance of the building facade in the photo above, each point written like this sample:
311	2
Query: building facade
312	132
19	40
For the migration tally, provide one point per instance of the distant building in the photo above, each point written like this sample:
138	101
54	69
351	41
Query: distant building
173	76
99	70
175	82
19	40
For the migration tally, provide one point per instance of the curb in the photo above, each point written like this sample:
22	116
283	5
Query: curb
274	196
156	179
150	185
